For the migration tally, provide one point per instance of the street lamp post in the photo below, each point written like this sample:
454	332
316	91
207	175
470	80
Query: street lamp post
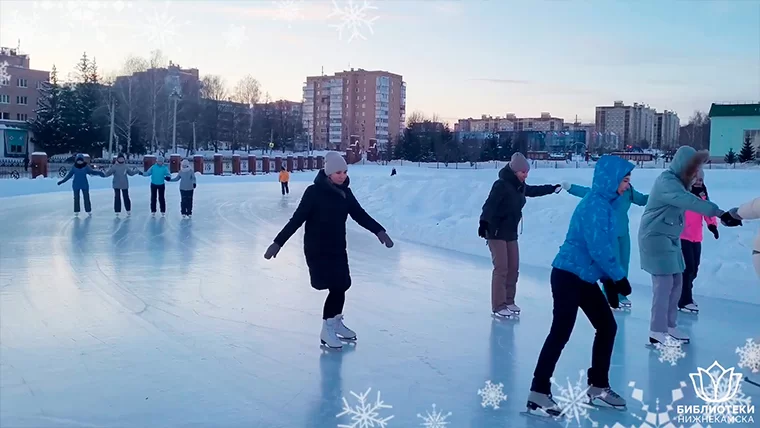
176	96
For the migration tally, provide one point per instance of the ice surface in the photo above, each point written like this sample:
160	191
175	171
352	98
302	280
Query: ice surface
142	321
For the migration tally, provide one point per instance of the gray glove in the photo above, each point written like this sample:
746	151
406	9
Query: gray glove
385	239
272	251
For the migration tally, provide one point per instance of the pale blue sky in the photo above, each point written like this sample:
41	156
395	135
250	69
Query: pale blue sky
459	58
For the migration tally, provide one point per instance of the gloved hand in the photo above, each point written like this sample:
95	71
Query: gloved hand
735	213
195	185
714	229
59	183
483	229
566	185
623	287
610	291
729	221
167	178
385	239
557	188
272	251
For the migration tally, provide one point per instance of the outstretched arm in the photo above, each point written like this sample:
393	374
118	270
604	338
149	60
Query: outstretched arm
536	191
91	171
67	177
133	171
579	191
599	238
176	178
148	172
639	198
360	216
673	193
302	213
750	210
109	172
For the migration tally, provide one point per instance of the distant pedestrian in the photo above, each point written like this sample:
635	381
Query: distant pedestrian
393	172
284	179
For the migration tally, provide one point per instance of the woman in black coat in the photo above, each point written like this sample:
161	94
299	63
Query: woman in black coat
325	207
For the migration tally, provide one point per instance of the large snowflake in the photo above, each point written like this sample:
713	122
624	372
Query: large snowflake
492	394
365	414
235	36
573	401
289	10
670	351
749	356
656	418
354	18
435	419
161	27
5	77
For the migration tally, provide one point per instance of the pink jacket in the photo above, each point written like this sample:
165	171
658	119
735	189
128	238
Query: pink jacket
692	228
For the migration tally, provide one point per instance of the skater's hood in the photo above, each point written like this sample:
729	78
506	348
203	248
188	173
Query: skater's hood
185	165
686	162
608	173
80	157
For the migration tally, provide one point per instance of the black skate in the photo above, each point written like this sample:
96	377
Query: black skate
543	405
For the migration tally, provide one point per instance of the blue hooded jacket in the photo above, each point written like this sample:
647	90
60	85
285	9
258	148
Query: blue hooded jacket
590	248
158	173
622	205
80	174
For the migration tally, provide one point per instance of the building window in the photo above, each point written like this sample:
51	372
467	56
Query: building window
21	100
5	99
21	116
5	116
21	83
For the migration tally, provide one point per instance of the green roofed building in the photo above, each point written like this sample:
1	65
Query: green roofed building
730	125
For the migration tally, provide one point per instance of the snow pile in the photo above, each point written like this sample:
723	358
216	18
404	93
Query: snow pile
441	208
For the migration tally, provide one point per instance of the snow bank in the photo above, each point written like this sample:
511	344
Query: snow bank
442	207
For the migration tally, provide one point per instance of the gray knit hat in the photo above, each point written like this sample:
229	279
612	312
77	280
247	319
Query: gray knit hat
334	162
518	163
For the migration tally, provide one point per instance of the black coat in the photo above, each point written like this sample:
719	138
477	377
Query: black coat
325	208
503	208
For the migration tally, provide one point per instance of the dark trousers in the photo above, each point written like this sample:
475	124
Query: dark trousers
118	194
284	186
692	252
334	303
570	293
186	204
157	190
86	194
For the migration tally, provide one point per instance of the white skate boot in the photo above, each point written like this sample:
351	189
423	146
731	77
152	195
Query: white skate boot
129	213
506	314
514	309
678	335
607	396
328	337
543	405
657	337
342	331
691	307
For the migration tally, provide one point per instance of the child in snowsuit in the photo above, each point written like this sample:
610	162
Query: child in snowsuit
158	173
750	211
120	171
691	244
588	254
621	205
284	178
325	207
501	214
81	185
659	238
187	184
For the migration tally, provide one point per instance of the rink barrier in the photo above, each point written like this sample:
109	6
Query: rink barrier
174	163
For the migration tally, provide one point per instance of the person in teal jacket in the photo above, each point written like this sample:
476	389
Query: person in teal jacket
659	238
158	173
81	185
622	205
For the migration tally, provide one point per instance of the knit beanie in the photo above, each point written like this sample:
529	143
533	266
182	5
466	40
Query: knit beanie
159	158
518	163
334	162
185	164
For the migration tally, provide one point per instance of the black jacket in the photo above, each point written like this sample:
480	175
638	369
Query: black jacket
325	208
503	208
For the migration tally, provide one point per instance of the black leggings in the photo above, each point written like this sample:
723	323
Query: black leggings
334	303
117	196
157	190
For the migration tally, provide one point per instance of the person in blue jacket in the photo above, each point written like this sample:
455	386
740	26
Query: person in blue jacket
158	173
81	185
588	254
622	205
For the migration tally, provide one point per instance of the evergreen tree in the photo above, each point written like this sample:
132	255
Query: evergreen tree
49	127
87	119
747	153
730	157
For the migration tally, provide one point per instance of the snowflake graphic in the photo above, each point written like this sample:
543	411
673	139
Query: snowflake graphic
749	356
492	394
235	36
364	414
655	418
435	419
354	18
161	27
574	401
670	351
80	14
5	77
289	10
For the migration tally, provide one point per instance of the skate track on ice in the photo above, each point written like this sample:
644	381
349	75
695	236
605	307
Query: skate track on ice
147	322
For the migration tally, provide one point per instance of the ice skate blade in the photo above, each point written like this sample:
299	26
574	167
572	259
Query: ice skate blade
536	410
600	403
347	339
505	317
688	311
683	341
325	345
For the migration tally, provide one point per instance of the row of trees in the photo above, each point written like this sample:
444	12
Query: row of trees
748	153
134	111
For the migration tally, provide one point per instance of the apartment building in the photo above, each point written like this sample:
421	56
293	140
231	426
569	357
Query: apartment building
18	100
354	105
667	127
544	123
630	124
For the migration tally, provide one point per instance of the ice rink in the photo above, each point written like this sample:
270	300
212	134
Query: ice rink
164	322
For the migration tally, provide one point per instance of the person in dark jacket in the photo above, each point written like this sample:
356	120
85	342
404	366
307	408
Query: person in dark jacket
120	172
501	215
81	185
325	207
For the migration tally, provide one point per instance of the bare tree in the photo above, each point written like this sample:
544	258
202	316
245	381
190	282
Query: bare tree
213	88
157	61
247	91
126	90
416	117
